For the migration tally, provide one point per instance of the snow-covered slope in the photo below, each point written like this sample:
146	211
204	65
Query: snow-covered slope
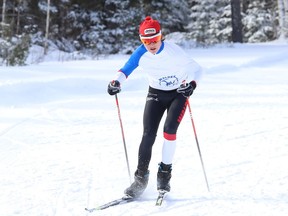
62	150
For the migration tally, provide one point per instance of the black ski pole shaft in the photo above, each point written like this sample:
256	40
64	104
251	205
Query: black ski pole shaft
123	137
198	146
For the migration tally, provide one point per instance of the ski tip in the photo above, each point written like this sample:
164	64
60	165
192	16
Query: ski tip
90	210
160	197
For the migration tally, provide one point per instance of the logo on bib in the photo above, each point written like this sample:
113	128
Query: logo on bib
168	81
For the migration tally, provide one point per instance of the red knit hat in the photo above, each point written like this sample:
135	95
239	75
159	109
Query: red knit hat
149	27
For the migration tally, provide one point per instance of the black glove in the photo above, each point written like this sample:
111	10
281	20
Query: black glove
114	87
186	89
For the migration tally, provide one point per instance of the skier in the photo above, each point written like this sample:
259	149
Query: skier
173	76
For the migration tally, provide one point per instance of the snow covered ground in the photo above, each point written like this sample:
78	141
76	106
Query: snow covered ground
62	150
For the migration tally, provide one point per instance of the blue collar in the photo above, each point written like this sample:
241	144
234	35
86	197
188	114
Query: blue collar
161	48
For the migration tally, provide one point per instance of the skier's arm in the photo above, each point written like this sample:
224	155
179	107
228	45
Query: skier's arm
130	65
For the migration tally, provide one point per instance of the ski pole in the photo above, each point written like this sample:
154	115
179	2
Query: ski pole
123	137
199	151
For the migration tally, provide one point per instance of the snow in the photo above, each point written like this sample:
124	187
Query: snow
62	150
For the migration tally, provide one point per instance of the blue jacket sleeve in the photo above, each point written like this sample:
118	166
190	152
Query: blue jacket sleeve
133	61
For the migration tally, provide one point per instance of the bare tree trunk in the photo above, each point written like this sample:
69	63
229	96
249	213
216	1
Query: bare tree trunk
285	2
47	27
281	9
236	21
18	17
3	11
3	17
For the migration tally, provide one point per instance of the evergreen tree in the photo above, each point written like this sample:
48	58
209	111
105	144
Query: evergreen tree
200	20
111	26
173	15
209	21
222	26
122	21
283	18
258	23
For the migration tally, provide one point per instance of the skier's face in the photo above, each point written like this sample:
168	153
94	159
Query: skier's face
152	43
153	47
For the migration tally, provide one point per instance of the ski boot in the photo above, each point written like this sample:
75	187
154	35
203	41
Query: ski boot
164	176
139	185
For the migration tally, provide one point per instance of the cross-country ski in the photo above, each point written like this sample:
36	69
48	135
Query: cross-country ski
122	200
160	197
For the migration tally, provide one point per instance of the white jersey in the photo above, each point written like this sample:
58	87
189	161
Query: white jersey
167	69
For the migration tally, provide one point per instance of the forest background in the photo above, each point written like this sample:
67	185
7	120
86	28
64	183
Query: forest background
103	27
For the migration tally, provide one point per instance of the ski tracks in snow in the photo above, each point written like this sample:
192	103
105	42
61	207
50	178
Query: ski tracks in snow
52	159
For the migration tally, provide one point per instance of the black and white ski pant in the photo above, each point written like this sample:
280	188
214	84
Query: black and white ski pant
157	102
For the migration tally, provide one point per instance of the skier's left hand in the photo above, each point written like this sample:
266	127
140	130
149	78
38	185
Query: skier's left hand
186	89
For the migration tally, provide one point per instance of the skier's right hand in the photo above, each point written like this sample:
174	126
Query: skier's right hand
114	87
